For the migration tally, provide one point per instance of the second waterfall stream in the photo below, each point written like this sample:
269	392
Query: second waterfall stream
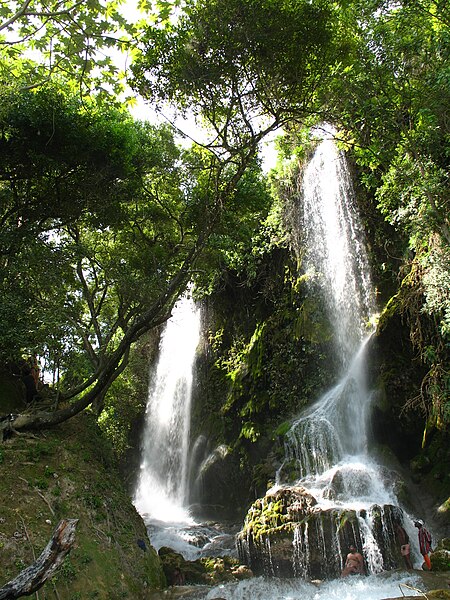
162	485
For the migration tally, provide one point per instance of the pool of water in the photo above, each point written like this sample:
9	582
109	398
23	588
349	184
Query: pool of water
374	587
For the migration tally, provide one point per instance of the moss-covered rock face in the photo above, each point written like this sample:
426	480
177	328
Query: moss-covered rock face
440	558
399	417
396	375
277	511
206	571
69	472
286	534
266	354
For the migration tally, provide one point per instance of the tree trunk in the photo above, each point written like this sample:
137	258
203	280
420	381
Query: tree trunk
153	317
33	577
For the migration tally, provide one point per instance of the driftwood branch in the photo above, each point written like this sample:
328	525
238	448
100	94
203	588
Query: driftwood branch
33	577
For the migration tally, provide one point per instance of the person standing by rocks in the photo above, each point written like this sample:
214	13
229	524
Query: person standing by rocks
424	542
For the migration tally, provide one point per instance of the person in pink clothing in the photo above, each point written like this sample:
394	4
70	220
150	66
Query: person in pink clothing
424	542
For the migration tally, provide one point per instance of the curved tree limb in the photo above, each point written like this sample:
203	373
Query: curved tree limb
153	316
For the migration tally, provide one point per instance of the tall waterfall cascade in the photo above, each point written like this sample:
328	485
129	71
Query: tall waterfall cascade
335	256
333	492
332	434
161	491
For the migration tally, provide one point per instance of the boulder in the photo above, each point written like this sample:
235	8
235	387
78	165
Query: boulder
440	558
286	534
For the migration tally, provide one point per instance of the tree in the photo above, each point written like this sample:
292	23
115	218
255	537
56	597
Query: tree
393	106
394	102
83	42
95	198
41	40
244	68
118	215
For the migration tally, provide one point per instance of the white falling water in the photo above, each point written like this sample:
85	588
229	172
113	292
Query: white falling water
336	426
328	443
335	256
332	433
162	486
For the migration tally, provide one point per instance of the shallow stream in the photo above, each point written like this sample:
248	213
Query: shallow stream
374	587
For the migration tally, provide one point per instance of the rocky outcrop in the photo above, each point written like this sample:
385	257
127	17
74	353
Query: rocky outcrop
440	558
287	534
203	571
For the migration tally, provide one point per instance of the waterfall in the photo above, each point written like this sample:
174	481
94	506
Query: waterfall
332	433
327	446
161	491
336	426
335	256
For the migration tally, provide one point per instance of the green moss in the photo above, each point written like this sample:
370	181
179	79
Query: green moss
393	307
439	595
440	560
106	561
444	544
282	429
268	516
349	517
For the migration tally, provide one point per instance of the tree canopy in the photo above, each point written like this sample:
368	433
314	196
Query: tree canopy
246	68
104	219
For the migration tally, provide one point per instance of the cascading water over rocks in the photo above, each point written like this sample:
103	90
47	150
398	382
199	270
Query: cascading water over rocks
330	493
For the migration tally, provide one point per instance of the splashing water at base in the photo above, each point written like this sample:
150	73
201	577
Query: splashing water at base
356	588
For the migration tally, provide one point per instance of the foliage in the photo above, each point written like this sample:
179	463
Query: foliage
83	42
126	398
74	182
393	107
432	348
234	236
436	279
96	197
118	215
245	68
104	220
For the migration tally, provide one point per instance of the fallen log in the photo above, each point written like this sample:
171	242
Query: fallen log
33	577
